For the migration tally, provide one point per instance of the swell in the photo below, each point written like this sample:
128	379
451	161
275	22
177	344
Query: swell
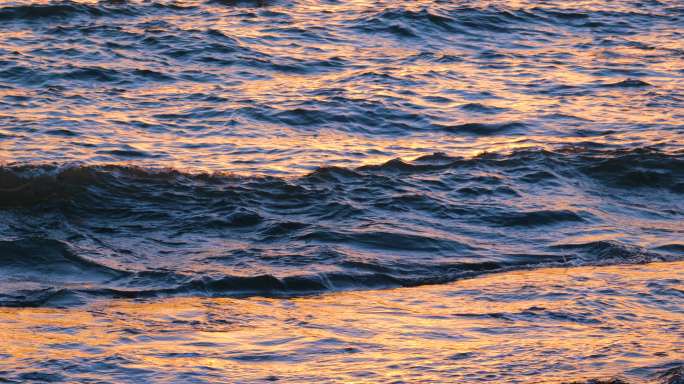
60	10
33	278
73	232
26	185
440	20
441	16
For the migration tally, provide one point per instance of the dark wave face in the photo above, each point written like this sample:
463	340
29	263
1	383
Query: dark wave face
220	148
116	231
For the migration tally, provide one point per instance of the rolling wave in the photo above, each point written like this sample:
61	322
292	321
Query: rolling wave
75	232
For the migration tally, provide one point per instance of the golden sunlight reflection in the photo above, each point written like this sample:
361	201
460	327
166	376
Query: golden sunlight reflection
293	120
295	153
497	327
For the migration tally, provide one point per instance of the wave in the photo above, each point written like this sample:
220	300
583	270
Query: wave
60	10
45	263
457	19
115	230
39	11
22	185
486	129
48	257
629	83
119	76
672	375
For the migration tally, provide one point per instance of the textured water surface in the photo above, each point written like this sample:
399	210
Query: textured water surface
586	325
285	87
115	231
254	146
187	150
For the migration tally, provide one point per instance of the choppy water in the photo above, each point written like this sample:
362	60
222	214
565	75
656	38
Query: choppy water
276	148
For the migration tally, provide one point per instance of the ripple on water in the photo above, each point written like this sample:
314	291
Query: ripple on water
512	327
195	152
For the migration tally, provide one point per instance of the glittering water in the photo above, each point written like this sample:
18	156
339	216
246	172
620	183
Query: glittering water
542	326
198	149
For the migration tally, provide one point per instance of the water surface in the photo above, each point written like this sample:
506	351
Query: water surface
545	326
187	150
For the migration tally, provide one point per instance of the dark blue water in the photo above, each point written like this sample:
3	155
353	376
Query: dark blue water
231	148
117	231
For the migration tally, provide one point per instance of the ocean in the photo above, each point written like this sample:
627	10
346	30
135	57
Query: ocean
342	191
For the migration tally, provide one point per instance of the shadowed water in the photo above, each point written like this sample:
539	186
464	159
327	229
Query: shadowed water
71	233
188	150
